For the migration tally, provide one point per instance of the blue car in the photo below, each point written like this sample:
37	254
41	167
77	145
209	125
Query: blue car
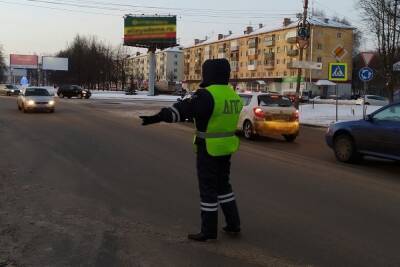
378	135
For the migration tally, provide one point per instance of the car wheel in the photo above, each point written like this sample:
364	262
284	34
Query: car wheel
290	137
248	130
367	103
19	107
69	97
24	109
61	95
345	149
51	110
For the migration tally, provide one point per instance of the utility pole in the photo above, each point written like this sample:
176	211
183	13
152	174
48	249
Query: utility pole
302	45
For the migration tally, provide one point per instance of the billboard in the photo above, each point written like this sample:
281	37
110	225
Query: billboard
23	61
155	31
55	63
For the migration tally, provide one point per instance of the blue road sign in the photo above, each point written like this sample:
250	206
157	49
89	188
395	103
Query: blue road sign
338	71
366	74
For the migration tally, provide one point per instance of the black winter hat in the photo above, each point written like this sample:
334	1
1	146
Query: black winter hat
215	71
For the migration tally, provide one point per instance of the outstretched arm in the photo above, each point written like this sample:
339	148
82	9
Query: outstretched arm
178	112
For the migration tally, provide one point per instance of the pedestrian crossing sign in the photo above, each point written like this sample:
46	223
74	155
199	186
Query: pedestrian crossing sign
338	72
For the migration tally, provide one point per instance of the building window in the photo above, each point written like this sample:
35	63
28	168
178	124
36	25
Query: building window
284	61
319	46
285	73
319	59
277	61
175	70
278	49
339	35
291	85
176	63
278	37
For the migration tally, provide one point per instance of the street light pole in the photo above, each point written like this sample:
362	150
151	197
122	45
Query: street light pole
301	52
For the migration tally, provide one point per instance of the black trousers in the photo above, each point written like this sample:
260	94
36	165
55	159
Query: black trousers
215	189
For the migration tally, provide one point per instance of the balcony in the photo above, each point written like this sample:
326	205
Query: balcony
293	52
234	47
221	55
269	64
270	55
290	65
291	40
269	42
252	67
234	65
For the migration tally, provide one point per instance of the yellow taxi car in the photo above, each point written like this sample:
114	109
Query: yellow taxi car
268	113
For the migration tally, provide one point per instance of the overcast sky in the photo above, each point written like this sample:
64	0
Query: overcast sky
26	28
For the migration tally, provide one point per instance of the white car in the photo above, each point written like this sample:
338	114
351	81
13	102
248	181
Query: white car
35	98
9	89
373	100
268	113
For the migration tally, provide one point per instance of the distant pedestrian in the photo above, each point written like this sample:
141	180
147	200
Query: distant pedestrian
215	107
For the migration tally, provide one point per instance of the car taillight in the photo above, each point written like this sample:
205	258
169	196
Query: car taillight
295	116
258	112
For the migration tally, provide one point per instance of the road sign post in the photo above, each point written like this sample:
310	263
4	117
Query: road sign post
337	72
365	74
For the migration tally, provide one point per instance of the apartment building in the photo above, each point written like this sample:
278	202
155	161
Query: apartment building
263	57
169	65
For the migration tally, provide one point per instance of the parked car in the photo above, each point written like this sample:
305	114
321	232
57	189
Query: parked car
35	98
9	89
73	91
377	135
373	100
265	114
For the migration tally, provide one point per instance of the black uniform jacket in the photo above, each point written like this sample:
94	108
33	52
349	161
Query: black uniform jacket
199	107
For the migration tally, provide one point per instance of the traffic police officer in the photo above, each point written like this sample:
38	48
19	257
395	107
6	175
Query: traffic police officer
215	109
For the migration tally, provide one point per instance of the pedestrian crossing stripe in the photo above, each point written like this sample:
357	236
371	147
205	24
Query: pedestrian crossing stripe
338	71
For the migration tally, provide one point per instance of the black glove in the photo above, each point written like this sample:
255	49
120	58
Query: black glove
146	120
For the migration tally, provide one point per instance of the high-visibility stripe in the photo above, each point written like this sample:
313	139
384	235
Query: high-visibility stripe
209	204
173	115
225	196
178	115
209	209
204	135
227	200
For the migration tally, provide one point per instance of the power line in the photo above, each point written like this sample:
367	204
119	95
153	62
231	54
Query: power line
176	8
212	15
61	9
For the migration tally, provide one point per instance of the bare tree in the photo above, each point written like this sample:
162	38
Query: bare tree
2	65
382	18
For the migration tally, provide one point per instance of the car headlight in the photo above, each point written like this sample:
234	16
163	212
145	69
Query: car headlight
51	102
31	103
12	91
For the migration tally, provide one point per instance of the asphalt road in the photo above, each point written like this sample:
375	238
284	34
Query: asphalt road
89	186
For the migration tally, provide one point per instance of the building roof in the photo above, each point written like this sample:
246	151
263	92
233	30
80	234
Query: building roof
316	21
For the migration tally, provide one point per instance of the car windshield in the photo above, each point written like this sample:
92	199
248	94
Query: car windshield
9	86
36	92
274	101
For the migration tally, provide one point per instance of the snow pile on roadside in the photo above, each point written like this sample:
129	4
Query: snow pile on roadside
325	114
333	101
141	95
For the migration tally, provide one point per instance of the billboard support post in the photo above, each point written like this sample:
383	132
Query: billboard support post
151	32
152	70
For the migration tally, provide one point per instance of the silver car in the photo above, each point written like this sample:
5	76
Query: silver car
9	89
35	98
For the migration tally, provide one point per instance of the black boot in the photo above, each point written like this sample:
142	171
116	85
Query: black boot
200	237
231	230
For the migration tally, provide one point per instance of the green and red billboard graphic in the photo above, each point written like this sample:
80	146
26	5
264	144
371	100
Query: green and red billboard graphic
154	31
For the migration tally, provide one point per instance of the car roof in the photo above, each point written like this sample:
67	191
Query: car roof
258	93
